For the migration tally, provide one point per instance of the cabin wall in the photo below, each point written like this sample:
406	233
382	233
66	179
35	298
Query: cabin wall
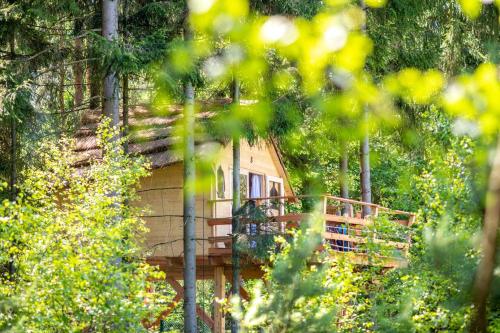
161	195
254	159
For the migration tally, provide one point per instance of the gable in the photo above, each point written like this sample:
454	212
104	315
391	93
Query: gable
261	158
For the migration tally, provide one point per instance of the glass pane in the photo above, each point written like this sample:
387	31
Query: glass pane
221	186
274	191
243	186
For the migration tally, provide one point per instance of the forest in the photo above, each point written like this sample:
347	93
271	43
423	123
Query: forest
249	166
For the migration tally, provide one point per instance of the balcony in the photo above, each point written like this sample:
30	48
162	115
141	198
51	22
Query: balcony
381	237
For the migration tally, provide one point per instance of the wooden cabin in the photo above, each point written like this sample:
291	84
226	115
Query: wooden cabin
263	179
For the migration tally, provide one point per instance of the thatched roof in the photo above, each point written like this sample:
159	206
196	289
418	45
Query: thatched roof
152	134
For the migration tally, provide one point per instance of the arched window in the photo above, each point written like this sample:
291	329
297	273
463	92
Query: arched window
221	185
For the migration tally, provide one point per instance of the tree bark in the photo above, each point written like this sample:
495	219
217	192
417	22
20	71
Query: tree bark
94	75
190	325
343	177
78	67
125	107
13	153
235	223
366	187
125	98
365	178
484	274
111	85
189	209
60	92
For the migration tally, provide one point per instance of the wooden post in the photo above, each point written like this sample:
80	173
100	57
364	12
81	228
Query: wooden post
411	220
220	293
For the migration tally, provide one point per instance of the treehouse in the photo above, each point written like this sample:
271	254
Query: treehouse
270	206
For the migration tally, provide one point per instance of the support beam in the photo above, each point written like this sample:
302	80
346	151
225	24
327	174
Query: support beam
164	314
199	310
243	293
220	293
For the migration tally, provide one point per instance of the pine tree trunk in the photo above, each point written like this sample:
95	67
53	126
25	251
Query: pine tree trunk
235	259
125	98
190	325
13	131
13	180
125	102
111	85
365	178
366	190
94	77
78	67
484	274
13	154
189	209
343	177
60	92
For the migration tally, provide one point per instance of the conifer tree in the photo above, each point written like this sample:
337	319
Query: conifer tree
189	209
235	260
110	84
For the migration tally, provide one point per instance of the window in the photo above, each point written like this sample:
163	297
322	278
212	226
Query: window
256	185
275	191
221	183
243	186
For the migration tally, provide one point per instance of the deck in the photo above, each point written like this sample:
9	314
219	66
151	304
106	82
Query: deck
345	229
381	238
383	234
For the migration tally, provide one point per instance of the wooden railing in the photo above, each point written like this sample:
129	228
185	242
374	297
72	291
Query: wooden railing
346	229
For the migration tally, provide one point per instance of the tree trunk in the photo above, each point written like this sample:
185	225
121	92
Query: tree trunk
189	209
190	325
13	180
13	153
60	91
343	177
484	274
235	259
366	188
111	86
94	77
125	98
125	102
78	67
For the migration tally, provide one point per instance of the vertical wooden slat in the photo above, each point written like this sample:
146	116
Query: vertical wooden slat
411	220
220	293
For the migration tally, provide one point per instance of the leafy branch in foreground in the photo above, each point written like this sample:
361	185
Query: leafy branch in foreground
304	291
76	244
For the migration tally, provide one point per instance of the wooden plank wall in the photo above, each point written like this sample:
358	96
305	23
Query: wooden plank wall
161	195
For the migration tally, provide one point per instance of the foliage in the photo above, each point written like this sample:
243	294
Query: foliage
75	244
424	71
295	303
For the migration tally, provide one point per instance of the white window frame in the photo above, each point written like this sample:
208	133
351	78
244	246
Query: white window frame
242	172
282	190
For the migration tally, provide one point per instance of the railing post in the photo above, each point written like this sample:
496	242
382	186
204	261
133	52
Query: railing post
220	294
375	211
325	202
411	220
